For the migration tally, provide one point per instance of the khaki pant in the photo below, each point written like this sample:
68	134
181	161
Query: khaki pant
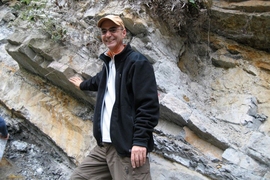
104	163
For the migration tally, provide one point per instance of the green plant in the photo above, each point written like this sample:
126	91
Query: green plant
34	12
25	1
56	32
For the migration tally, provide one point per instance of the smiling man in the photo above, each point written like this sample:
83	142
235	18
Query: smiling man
126	111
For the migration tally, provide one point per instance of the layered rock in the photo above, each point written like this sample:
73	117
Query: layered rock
246	22
213	94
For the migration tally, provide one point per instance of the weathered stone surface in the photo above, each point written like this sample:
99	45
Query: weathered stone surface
172	109
246	5
214	95
221	58
259	140
165	170
246	22
240	159
236	109
48	110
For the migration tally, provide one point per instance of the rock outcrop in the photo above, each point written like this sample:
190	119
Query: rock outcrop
246	22
213	88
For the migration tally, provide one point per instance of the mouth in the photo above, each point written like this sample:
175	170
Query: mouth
109	41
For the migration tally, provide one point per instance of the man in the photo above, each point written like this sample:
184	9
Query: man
126	111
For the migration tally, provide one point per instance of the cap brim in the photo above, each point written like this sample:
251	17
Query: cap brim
115	19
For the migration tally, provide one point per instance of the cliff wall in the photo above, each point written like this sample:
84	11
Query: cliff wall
211	61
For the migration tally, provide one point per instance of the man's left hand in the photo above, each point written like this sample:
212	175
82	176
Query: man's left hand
138	156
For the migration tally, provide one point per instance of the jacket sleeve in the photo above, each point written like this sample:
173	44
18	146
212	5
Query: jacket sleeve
145	100
91	84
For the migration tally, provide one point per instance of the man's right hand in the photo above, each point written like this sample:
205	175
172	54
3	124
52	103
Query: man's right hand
76	81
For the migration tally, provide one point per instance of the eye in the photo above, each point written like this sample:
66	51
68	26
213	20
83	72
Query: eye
104	31
113	29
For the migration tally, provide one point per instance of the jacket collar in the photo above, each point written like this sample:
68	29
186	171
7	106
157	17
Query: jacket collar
118	57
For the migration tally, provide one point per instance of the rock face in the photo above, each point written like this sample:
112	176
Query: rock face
213	89
246	22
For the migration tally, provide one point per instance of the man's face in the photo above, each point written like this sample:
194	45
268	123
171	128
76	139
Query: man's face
112	35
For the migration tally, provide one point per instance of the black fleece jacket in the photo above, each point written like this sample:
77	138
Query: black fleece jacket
136	109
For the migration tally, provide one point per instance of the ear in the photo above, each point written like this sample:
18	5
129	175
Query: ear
124	32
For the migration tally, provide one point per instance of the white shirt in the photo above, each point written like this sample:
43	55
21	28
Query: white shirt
109	99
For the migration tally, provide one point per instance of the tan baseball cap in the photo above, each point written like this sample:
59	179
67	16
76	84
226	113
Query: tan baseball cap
116	19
